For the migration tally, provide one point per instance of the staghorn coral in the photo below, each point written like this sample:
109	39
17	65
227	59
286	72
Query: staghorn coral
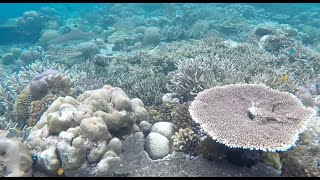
6	107
138	74
259	117
207	63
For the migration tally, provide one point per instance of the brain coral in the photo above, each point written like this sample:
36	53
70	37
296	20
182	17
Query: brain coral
251	116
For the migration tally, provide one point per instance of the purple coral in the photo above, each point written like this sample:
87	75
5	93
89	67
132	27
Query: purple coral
38	85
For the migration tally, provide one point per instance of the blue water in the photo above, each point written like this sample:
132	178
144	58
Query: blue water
11	10
164	54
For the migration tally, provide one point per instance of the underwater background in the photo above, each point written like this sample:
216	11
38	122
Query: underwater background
159	89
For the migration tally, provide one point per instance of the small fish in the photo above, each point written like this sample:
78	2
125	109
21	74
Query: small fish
13	133
60	171
34	160
64	53
292	52
284	78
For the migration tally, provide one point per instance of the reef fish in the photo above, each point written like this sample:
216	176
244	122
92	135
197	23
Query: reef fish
64	53
73	35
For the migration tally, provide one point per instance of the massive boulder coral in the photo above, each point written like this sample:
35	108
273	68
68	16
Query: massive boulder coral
15	159
43	89
84	135
251	116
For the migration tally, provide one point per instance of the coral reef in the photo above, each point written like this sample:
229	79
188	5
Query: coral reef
151	36
39	85
309	93
137	163
7	58
186	140
56	61
181	117
81	134
36	97
303	159
21	107
204	64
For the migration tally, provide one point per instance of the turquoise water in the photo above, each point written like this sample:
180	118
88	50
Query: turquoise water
159	89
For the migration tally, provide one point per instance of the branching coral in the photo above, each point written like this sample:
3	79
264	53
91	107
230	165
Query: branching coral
138	74
202	64
186	140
